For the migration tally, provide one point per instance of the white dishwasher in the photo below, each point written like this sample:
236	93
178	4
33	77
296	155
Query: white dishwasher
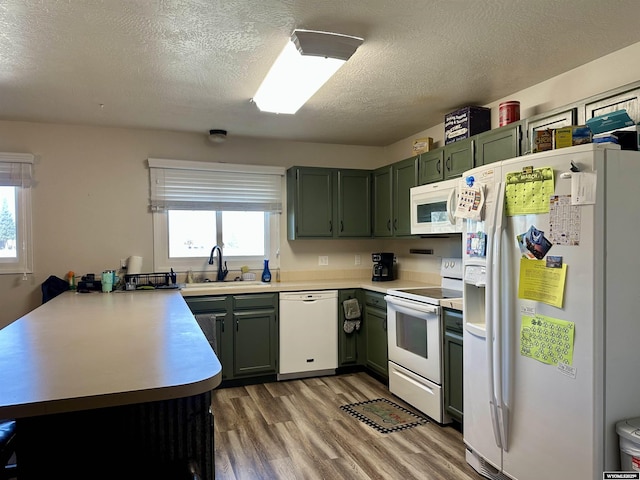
308	334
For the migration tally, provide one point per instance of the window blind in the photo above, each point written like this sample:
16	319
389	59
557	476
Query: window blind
185	185
15	169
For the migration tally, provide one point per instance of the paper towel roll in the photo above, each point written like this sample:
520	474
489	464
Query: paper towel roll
134	265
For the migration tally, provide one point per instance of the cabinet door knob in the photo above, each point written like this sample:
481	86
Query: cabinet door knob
330	226
341	226
438	166
448	164
389	224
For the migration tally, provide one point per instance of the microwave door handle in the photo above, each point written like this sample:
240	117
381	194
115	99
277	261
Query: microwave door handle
451	206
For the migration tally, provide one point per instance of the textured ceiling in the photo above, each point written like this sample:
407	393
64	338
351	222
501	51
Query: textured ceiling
194	65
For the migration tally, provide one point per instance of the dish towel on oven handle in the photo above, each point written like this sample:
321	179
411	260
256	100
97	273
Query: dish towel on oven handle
352	315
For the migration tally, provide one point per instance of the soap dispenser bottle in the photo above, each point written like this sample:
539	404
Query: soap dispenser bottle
266	274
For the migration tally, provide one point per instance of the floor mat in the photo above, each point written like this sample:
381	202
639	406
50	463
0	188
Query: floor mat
384	415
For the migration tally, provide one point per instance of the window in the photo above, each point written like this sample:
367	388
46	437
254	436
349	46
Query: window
197	205
15	213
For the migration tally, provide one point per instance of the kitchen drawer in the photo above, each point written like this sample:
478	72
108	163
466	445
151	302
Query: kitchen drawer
253	301
453	320
207	303
375	300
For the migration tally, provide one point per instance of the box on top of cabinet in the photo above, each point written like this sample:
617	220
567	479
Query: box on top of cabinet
422	145
572	135
610	121
543	140
466	122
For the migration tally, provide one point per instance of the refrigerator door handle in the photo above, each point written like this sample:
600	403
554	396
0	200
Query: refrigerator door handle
498	282
489	322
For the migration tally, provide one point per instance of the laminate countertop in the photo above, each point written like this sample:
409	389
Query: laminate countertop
213	288
84	351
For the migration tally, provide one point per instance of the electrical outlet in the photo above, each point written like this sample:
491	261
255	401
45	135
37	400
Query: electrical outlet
357	260
323	260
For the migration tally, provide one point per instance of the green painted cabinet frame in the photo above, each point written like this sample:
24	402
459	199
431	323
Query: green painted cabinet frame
453	369
375	329
383	201
246	329
499	144
446	162
350	345
431	167
328	203
391	198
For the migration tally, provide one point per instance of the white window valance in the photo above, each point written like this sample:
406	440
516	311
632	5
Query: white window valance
15	169
187	185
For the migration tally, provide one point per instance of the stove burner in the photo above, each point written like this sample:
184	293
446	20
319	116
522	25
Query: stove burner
433	292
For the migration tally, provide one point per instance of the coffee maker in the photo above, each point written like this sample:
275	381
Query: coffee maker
382	267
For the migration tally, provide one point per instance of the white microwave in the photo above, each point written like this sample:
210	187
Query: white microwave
433	207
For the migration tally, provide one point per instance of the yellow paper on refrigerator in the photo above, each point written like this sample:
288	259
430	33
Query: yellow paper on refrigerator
528	191
541	283
548	340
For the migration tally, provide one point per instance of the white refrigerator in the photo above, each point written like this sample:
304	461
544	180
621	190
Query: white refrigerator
552	346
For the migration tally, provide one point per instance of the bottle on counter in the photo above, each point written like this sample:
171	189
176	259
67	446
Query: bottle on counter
266	273
72	280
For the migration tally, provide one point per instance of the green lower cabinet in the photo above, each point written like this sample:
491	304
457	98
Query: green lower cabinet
255	343
350	345
453	373
375	330
242	330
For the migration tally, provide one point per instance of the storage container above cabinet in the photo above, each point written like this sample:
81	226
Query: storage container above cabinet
465	123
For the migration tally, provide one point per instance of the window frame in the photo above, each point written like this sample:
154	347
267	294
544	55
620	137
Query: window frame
21	181
163	263
219	187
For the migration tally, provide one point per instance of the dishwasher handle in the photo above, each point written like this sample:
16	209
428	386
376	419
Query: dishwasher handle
309	297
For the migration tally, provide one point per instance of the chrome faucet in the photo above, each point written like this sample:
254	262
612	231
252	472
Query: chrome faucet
222	273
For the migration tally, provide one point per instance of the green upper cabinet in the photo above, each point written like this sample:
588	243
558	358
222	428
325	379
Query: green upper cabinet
391	200
383	201
328	203
498	144
446	162
458	158
405	176
354	203
431	166
310	202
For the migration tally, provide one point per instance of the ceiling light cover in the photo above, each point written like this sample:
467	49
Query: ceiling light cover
217	135
307	61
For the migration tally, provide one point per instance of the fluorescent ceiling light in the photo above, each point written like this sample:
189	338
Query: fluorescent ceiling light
307	61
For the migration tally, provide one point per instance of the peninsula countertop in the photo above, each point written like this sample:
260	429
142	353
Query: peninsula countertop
84	351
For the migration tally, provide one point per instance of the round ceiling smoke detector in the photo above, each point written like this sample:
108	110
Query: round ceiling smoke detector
217	136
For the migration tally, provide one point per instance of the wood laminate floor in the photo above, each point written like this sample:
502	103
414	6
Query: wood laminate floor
296	430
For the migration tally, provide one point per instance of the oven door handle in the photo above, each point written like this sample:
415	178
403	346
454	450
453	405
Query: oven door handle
409	307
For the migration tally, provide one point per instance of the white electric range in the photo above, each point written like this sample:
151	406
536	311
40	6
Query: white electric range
414	330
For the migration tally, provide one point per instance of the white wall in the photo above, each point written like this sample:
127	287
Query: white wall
91	196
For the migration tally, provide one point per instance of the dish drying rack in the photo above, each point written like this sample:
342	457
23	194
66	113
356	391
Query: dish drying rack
148	281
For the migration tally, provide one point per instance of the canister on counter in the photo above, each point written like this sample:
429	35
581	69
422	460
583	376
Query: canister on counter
509	112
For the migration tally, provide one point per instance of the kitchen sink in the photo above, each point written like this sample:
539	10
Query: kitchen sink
227	284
